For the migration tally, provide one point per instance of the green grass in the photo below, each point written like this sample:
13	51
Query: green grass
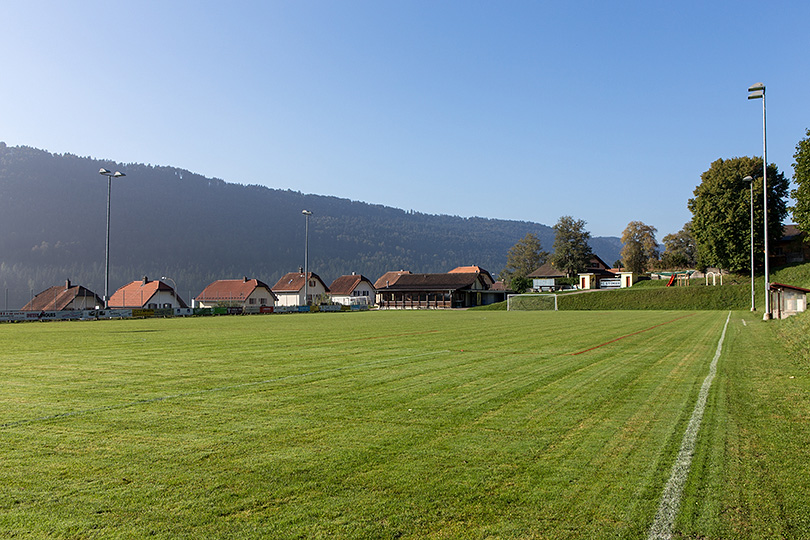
734	294
468	424
750	476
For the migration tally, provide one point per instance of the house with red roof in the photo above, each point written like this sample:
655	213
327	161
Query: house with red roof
486	276
148	294
389	278
64	297
249	294
292	287
353	290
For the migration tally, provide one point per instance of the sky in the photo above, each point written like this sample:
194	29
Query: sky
523	110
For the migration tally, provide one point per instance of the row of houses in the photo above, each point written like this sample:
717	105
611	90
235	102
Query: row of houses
465	286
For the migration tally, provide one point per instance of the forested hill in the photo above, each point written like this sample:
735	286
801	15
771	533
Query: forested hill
170	222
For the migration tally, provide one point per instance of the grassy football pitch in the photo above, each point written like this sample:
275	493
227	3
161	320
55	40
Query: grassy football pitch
399	425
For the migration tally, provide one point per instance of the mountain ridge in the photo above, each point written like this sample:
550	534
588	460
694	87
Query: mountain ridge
167	221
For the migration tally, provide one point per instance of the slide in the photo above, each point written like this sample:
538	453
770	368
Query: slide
671	280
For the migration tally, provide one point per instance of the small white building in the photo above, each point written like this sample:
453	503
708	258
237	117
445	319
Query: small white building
546	278
249	294
154	294
290	289
353	290
789	300
64	297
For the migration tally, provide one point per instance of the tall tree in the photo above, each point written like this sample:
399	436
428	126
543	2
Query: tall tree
801	175
571	248
523	258
640	249
681	251
721	212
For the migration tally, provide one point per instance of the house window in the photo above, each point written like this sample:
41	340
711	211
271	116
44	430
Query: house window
263	301
251	301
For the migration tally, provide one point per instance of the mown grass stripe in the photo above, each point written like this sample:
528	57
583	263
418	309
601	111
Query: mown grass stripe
158	399
630	335
670	500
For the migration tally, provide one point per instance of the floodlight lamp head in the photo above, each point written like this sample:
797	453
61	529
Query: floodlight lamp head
757	86
748	179
306	212
757	94
118	174
104	171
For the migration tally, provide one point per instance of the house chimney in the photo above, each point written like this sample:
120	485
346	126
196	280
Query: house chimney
354	273
67	284
300	269
244	279
145	280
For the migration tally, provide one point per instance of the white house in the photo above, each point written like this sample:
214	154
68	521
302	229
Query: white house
146	294
352	290
63	297
290	289
249	294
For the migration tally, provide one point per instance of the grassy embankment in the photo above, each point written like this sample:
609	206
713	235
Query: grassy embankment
734	294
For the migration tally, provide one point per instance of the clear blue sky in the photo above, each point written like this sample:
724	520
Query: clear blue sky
606	111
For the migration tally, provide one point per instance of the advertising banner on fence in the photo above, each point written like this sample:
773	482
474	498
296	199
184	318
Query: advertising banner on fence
113	313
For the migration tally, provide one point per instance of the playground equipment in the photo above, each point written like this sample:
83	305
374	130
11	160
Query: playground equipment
681	279
714	278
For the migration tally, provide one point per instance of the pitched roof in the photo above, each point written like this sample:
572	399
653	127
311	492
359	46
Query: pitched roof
345	285
294	282
498	286
596	260
138	293
59	297
472	270
789	232
546	271
229	290
433	282
777	286
389	278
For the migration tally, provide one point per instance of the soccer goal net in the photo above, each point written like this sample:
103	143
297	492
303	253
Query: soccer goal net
531	302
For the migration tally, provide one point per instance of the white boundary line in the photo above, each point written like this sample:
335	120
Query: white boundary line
208	391
671	498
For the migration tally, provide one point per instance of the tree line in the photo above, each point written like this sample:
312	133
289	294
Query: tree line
718	235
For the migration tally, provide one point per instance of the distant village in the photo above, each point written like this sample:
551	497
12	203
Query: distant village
461	287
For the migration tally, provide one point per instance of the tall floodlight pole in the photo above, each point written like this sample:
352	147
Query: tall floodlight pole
306	213
109	176
757	91
750	181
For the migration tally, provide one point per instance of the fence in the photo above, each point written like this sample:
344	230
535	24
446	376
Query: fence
96	314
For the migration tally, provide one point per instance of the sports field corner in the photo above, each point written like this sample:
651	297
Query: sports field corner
403	425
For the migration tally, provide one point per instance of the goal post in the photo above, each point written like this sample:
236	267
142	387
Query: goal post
531	302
